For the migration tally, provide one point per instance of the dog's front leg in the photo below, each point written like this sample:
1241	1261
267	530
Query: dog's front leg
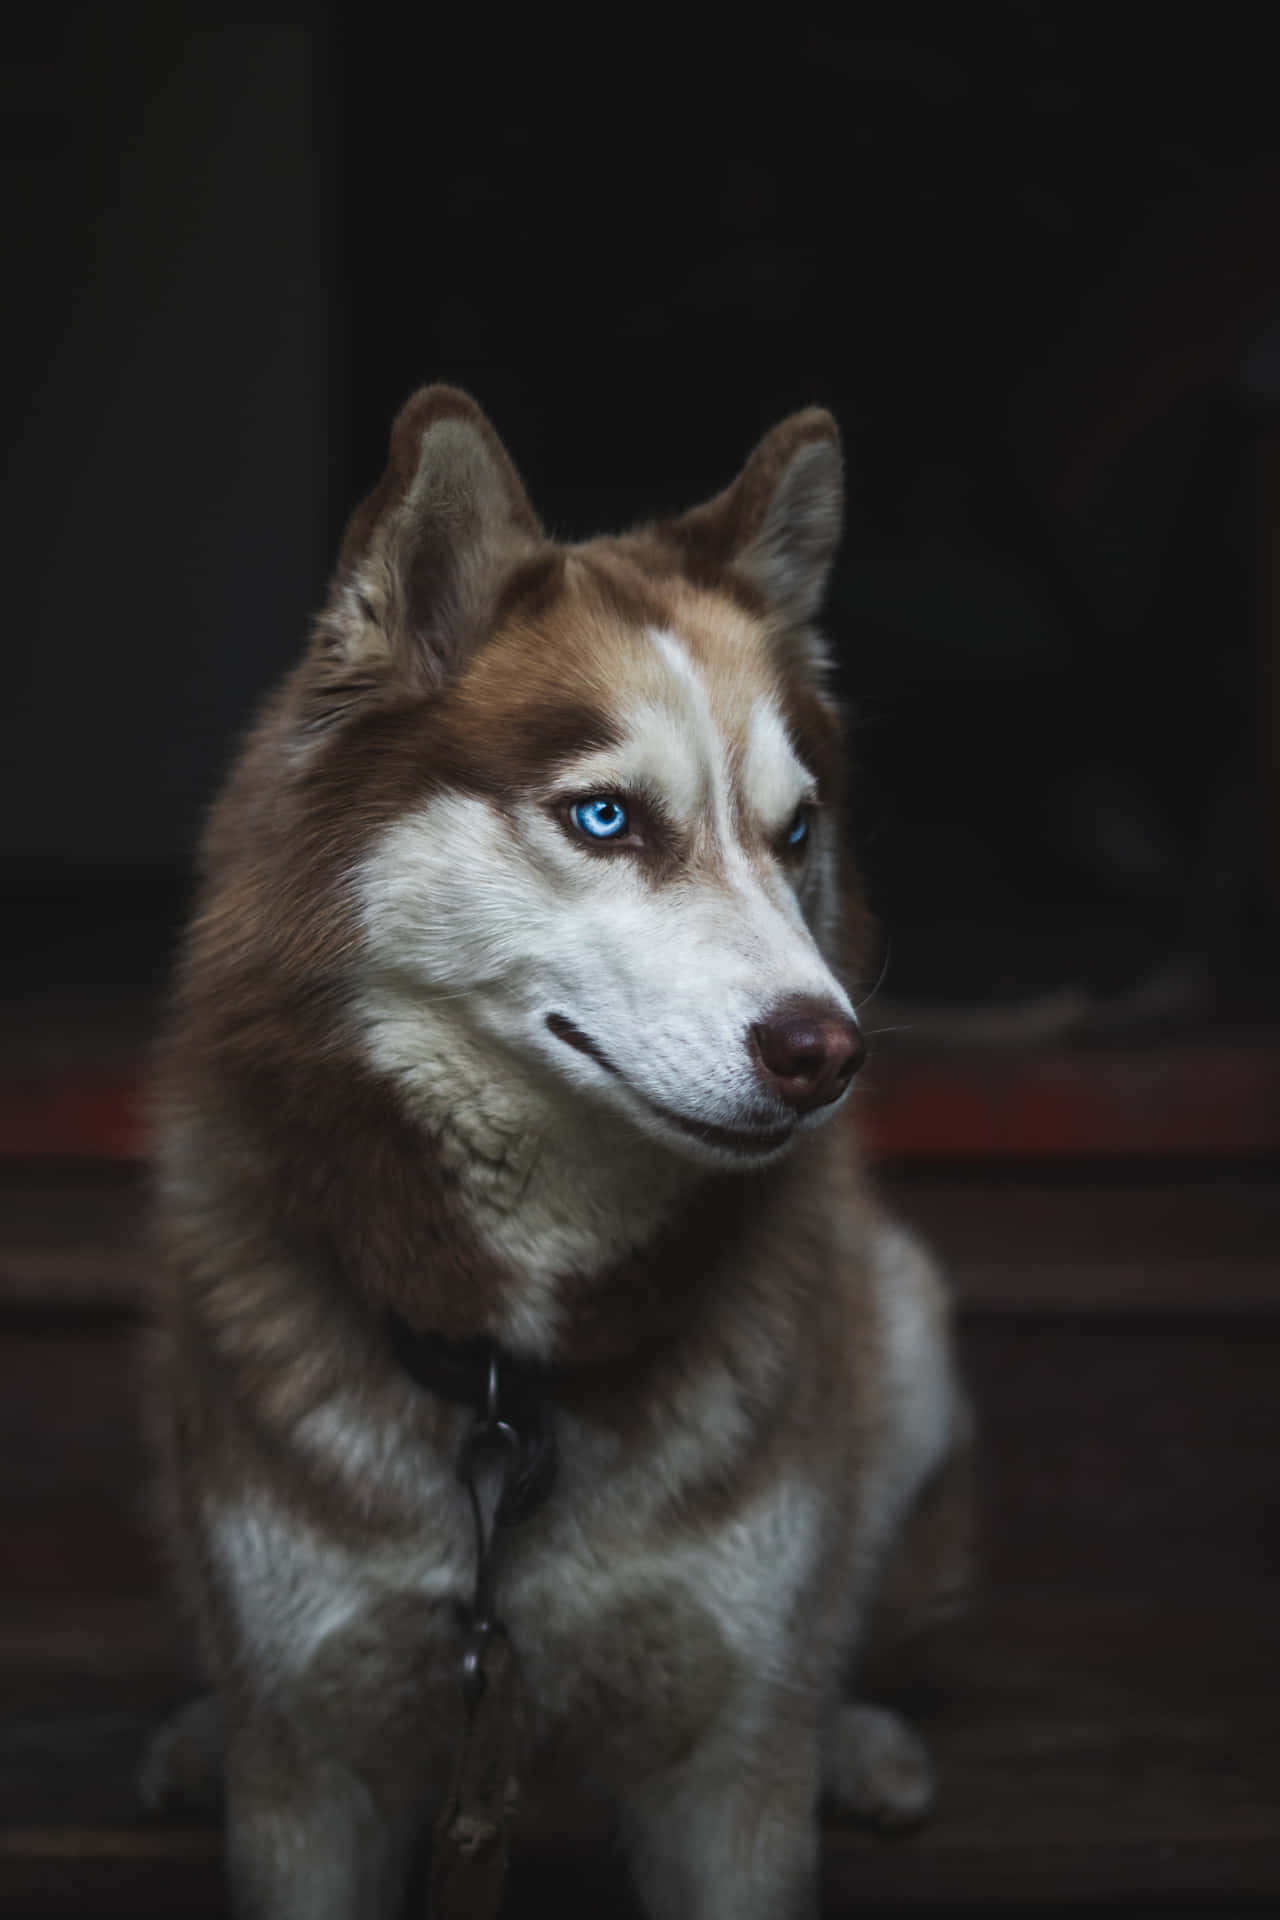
306	1839
732	1832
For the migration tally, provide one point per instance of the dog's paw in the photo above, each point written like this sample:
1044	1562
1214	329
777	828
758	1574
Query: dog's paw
877	1768
182	1766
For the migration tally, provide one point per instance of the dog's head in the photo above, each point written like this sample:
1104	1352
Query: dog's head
604	858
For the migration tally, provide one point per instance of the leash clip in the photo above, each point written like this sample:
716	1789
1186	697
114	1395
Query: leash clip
491	1444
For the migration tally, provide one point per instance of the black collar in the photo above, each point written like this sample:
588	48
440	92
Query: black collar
458	1370
464	1371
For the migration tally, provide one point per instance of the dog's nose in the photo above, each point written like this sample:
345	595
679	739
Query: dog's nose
809	1054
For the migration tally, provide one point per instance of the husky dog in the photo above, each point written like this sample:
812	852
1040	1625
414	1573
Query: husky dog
512	1010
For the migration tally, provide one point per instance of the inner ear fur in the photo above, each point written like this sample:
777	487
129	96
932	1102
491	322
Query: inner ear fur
422	555
777	527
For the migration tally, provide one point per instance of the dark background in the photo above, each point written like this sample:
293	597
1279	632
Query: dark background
1032	263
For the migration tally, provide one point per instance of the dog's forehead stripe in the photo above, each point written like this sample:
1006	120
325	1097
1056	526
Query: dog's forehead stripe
706	741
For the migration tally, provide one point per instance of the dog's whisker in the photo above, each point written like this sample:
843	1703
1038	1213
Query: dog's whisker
884	968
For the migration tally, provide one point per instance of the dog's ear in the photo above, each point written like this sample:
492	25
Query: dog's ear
421	555
778	526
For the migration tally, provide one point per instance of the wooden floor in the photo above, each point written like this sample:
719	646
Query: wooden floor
1107	1723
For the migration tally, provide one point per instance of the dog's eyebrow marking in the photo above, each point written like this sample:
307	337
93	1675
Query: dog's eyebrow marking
775	779
650	752
668	740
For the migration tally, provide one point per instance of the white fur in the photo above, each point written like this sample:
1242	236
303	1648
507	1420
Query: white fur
656	753
693	721
918	1381
289	1588
774	780
343	1441
292	1589
756	1564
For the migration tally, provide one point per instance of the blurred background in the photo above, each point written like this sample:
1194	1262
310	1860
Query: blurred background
1033	269
1031	260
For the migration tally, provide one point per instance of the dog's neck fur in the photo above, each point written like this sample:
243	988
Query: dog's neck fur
448	1184
554	1187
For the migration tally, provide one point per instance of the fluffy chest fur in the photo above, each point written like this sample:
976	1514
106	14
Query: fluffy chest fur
673	1559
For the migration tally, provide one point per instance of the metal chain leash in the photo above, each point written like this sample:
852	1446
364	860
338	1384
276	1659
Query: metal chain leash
511	1461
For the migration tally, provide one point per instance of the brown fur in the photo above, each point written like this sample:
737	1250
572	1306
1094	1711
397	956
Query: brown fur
300	1200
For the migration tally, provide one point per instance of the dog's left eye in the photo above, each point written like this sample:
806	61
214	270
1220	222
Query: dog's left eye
798	831
602	817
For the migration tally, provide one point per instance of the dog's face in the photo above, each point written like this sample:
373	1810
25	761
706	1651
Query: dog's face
621	873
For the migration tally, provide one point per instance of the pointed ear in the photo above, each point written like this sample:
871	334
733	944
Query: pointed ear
420	557
778	526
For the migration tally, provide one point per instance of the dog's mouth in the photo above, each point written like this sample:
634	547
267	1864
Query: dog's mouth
740	1140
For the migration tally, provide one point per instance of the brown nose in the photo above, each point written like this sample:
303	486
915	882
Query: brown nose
809	1055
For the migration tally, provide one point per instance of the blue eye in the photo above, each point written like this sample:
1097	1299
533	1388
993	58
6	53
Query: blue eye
600	818
798	831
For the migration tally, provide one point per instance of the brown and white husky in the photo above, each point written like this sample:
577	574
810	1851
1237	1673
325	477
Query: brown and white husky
514	1010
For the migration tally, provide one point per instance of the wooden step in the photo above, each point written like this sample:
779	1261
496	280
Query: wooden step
1094	1237
1104	1722
1090	1749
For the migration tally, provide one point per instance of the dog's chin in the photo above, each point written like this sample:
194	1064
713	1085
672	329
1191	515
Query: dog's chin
733	1141
710	1144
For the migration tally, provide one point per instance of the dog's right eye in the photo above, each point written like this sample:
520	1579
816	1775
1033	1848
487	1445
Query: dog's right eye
602	817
